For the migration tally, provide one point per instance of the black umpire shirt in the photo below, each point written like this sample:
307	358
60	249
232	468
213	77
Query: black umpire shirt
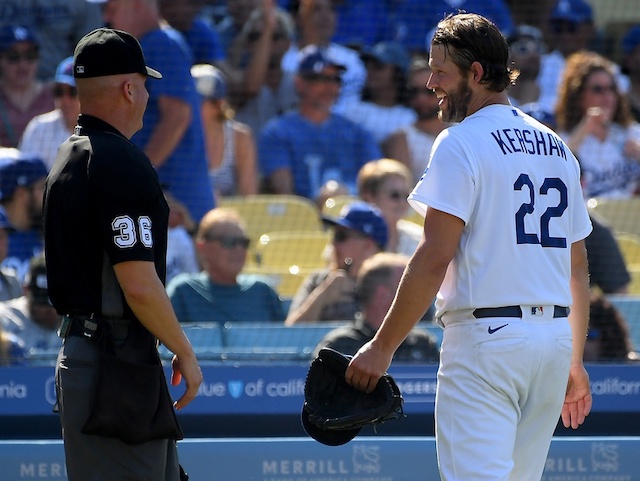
103	205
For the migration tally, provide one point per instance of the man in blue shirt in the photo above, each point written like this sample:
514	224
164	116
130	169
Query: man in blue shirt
171	135
301	150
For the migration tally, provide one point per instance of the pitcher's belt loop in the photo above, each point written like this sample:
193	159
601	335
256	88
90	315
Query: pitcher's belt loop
514	311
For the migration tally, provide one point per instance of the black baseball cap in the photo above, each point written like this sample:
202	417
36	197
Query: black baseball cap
105	51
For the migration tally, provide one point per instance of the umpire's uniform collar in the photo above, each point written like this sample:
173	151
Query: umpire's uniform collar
89	122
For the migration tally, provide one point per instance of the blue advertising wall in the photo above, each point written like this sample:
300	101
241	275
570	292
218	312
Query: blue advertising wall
363	459
265	401
279	389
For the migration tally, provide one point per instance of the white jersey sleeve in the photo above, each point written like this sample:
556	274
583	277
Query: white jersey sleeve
516	186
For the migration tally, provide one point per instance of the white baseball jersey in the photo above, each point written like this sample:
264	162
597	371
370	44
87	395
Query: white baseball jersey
516	186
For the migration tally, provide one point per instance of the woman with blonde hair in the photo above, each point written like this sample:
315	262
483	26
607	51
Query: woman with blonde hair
229	144
594	118
386	183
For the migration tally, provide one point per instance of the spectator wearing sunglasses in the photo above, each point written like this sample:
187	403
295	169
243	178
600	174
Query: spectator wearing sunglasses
330	294
22	95
594	119
386	183
45	132
412	143
301	150
219	293
261	89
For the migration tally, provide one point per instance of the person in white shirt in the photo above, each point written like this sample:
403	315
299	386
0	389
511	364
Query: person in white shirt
45	132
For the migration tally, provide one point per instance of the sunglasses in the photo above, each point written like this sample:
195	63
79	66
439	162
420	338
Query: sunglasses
230	242
318	77
15	57
343	235
60	91
254	36
413	91
601	89
397	194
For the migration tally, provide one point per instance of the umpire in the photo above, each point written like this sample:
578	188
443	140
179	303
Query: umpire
105	222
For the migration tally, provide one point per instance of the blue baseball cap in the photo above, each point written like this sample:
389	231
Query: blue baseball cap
210	81
313	60
64	72
21	172
390	53
631	40
364	218
12	34
574	11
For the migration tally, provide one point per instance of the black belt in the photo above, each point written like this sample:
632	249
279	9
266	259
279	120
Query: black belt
91	327
514	311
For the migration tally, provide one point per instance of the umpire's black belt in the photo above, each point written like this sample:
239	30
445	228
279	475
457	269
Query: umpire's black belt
514	311
91	326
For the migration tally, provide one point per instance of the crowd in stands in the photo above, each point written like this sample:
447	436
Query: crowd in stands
320	99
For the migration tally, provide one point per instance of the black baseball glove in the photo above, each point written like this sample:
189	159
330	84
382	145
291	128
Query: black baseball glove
334	412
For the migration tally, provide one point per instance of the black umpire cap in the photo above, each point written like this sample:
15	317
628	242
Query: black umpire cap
105	51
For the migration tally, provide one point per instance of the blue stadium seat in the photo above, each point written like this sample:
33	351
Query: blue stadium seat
301	338
205	337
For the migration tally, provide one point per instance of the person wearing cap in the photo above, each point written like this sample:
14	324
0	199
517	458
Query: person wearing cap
412	143
22	178
571	29
382	108
10	286
105	229
229	144
376	286
45	132
171	134
630	46
301	150
316	22
329	294
526	47
57	24
31	317
22	95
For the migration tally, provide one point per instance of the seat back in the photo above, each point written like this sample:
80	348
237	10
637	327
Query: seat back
271	213
302	338
620	214
304	249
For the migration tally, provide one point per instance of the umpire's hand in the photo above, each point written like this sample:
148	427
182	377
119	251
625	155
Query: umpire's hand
187	368
367	367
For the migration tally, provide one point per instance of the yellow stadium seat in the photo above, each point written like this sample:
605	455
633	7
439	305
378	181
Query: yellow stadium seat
622	215
630	247
304	249
270	213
